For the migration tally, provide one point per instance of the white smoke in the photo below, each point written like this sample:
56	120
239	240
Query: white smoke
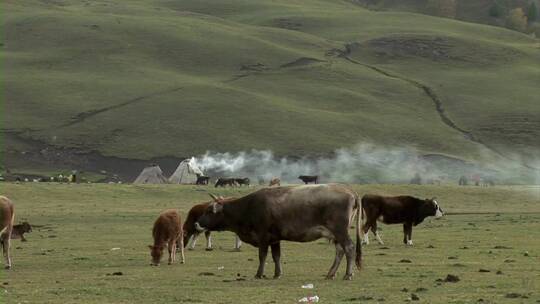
364	163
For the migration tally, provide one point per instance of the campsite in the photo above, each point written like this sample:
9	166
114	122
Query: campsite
92	248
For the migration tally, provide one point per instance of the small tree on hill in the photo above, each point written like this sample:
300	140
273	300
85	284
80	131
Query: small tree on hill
517	20
532	12
496	10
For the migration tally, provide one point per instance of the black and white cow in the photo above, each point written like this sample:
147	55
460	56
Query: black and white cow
407	210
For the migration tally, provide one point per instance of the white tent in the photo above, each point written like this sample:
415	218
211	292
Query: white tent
151	175
186	173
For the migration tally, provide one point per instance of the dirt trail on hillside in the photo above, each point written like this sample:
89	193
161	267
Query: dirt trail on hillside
88	114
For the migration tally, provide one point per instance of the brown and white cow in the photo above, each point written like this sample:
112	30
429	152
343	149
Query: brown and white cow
167	231
300	214
190	232
7	217
407	210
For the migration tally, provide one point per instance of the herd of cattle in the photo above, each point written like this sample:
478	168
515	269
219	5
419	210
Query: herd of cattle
270	215
244	181
305	213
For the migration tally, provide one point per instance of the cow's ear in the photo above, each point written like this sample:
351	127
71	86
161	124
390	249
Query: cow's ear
217	207
151	247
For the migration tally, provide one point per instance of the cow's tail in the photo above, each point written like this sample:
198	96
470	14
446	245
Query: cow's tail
358	227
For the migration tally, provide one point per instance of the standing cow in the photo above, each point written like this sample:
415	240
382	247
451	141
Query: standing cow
309	179
300	214
222	182
242	181
166	232
408	210
190	232
7	217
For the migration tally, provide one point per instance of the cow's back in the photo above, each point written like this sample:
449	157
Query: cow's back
6	215
167	225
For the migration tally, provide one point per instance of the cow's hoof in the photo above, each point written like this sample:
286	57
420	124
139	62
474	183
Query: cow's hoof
209	249
7	267
237	249
347	277
24	240
330	277
182	262
259	276
191	249
277	276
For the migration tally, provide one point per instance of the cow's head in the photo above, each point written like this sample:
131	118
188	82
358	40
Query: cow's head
213	217
156	252
431	208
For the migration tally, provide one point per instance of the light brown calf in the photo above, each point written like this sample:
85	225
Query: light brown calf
167	231
274	182
7	216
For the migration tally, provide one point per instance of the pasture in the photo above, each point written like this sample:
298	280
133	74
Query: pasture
489	239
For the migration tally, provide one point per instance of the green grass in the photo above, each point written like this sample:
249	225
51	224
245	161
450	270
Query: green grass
68	259
66	58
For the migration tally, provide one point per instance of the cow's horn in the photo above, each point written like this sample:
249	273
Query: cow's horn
213	197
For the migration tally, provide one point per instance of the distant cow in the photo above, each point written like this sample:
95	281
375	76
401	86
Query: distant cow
7	217
166	232
274	182
222	182
309	179
408	210
242	181
300	214
191	233
19	230
202	180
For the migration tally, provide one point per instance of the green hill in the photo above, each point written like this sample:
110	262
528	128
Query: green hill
147	79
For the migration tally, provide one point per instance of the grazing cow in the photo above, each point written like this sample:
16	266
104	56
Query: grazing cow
202	180
7	217
19	230
309	179
190	232
299	214
222	182
408	210
242	181
166	232
274	182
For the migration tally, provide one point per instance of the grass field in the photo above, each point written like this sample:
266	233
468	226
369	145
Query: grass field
69	259
143	79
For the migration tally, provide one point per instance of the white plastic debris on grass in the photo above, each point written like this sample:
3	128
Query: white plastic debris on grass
115	248
221	268
308	286
310	299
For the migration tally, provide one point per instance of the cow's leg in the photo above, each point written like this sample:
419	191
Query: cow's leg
276	256
365	229
263	252
193	240
4	242
183	258
339	255
407	233
376	233
237	243
348	246
170	246
208	236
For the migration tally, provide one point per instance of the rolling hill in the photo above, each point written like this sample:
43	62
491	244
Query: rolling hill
150	79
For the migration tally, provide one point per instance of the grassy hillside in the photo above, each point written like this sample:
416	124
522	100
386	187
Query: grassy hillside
68	259
143	79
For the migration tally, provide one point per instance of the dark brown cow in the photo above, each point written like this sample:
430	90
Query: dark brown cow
299	214
7	217
19	230
222	182
166	232
202	180
309	179
242	181
274	182
191	233
408	210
